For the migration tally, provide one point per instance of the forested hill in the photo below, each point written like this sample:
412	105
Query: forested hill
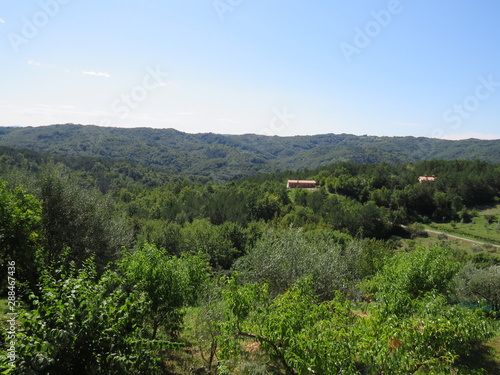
226	157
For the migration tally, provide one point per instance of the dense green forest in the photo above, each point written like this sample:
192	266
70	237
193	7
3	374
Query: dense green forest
227	157
115	265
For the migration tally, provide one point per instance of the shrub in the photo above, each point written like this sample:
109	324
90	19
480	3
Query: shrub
82	324
478	284
412	275
283	258
168	282
417	230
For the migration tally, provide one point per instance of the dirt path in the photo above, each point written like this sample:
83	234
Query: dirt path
461	238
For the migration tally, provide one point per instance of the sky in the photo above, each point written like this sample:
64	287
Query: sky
281	67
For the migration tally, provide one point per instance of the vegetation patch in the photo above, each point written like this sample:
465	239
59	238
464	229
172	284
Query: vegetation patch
122	273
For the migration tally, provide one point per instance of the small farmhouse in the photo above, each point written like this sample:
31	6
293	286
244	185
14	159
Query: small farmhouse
426	178
301	184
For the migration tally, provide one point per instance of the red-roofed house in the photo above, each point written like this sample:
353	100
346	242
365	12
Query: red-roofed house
301	184
426	178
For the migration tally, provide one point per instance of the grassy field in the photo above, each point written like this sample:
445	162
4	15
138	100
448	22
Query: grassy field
490	210
484	227
433	240
479	230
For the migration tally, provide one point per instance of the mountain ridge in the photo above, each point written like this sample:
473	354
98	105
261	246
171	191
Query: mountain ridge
227	157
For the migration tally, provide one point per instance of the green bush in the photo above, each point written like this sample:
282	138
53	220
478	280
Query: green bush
81	219
83	324
281	258
20	233
412	275
479	284
303	336
169	283
306	336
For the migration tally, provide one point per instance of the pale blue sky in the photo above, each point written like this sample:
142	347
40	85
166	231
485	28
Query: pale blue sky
397	67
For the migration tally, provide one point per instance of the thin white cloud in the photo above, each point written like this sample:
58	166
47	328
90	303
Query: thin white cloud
97	74
39	64
185	113
2	20
36	63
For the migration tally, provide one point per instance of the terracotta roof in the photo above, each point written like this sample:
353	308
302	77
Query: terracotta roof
303	181
427	178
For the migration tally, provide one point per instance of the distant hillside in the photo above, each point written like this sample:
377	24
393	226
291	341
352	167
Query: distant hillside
102	172
226	157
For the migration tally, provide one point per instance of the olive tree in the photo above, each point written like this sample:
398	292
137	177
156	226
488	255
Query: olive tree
281	258
476	284
79	218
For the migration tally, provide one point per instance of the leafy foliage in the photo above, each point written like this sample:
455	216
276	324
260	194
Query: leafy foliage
305	337
429	338
82	324
20	232
295	257
410	276
215	241
79	219
282	259
475	284
308	337
169	283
